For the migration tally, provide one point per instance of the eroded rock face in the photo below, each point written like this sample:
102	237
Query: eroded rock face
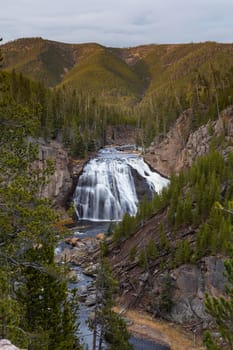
189	283
181	147
61	181
166	155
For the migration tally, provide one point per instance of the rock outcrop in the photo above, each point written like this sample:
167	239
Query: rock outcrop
66	171
182	147
61	181
188	286
5	344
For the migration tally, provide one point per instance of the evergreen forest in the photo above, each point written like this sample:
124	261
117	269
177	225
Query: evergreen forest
101	91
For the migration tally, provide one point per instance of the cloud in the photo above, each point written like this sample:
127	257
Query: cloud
119	23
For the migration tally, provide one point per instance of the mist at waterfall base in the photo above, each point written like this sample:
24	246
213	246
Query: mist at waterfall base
112	184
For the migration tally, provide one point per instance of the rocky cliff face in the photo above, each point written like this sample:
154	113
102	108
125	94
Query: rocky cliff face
182	147
61	180
188	285
62	183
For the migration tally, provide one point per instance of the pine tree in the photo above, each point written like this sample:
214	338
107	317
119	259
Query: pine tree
9	310
27	238
151	249
109	327
163	241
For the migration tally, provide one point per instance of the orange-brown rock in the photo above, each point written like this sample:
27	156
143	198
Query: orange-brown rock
100	236
72	241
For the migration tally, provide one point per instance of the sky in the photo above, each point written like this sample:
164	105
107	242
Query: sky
118	23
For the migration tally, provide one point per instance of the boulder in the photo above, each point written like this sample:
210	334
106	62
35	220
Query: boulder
91	270
5	344
83	290
72	276
100	236
90	300
72	241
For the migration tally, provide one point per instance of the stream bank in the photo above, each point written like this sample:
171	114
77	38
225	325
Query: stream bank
143	326
78	249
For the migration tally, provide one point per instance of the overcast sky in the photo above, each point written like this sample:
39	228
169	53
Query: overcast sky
119	23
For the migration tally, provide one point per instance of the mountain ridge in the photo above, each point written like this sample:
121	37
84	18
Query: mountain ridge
127	75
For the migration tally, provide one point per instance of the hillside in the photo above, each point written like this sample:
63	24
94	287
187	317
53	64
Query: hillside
125	75
172	253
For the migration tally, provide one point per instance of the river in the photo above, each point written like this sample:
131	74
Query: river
86	283
111	184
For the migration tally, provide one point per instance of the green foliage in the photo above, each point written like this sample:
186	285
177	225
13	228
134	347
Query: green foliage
116	334
124	229
35	295
104	248
9	309
165	301
133	81
210	342
215	235
79	120
190	201
145	210
163	241
132	253
183	253
151	249
111	327
142	259
202	189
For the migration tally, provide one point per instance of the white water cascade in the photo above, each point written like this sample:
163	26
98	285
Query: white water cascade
107	188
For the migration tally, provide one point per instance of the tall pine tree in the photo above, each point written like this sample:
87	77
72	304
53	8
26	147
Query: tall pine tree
33	286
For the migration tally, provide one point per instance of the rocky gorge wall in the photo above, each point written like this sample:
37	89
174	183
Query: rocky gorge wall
66	171
177	151
188	285
181	147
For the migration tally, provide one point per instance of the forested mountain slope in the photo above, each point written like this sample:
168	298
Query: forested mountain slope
128	75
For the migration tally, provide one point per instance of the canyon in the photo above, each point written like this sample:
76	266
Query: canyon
188	283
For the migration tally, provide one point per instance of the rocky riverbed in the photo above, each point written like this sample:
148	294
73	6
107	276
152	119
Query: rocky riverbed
81	252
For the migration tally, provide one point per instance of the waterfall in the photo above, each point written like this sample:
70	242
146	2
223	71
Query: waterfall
111	185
